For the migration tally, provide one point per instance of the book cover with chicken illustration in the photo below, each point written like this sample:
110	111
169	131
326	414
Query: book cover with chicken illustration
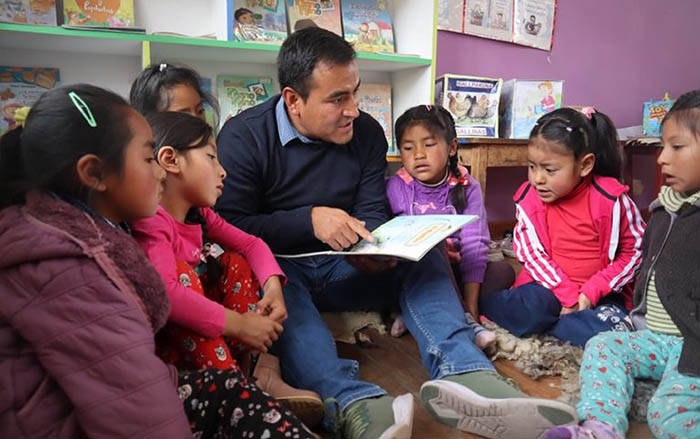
473	102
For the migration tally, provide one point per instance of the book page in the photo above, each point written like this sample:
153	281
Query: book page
534	23
489	19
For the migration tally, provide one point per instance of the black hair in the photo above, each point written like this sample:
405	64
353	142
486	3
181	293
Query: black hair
241	11
184	132
56	134
686	111
573	130
150	91
439	122
303	50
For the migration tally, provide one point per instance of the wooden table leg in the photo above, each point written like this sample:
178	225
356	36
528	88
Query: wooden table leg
480	166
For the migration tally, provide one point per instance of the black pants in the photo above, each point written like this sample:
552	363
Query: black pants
223	404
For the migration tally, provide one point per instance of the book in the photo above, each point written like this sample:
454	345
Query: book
319	13
367	25
451	15
28	11
533	23
237	93
375	99
404	237
473	102
262	21
21	87
523	102
99	13
209	115
489	19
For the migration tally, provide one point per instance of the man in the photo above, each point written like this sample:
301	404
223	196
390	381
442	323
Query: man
306	173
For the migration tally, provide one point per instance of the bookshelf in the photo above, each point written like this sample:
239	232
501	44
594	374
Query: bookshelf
114	59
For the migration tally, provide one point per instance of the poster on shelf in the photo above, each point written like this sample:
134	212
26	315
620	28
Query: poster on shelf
451	15
28	11
238	93
489	19
320	13
534	23
375	99
367	25
262	21
21	87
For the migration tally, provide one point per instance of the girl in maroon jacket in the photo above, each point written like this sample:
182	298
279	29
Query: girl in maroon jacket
80	303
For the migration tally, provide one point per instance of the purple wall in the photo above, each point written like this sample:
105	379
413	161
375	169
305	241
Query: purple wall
613	55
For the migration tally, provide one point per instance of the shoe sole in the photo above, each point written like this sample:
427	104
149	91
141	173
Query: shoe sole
308	409
461	408
403	408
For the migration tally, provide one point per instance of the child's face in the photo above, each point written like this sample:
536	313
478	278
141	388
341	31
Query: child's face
201	175
185	99
680	157
425	155
246	18
134	192
552	169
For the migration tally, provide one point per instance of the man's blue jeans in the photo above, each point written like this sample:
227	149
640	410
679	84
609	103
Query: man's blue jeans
425	294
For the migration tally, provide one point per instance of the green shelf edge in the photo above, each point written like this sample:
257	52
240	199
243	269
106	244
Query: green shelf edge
200	42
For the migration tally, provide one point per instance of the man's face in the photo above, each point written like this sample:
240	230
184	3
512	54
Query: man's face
331	107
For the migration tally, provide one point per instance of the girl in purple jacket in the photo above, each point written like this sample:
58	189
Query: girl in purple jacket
79	302
431	182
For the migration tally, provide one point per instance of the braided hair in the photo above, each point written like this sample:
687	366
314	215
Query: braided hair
439	122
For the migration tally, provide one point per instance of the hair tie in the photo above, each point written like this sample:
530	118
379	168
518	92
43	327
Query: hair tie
162	67
83	108
20	116
429	108
569	129
588	112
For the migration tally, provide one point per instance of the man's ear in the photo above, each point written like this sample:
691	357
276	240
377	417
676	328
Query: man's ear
292	100
169	159
90	171
587	163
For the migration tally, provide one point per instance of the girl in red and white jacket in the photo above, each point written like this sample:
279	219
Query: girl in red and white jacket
578	234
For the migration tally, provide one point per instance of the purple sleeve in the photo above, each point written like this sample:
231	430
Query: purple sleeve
395	194
474	237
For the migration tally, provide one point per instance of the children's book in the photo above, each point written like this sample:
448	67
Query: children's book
319	13
473	102
99	13
209	116
375	99
237	93
28	11
451	15
405	237
21	87
523	102
533	23
262	21
653	115
367	25
489	19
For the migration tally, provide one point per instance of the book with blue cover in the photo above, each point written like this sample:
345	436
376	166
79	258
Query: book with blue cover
260	21
367	25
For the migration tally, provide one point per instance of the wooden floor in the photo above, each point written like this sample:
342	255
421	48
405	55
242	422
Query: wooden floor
394	364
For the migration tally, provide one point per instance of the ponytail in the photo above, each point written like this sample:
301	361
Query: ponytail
581	136
12	174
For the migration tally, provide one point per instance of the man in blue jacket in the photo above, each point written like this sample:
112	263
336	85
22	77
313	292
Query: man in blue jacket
305	172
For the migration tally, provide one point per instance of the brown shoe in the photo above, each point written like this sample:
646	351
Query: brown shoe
305	404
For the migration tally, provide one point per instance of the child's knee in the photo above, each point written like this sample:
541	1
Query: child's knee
669	416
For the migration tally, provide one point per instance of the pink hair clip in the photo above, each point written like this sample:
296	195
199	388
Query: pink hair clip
428	108
588	112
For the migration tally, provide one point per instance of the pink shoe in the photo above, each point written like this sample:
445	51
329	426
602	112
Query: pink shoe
586	430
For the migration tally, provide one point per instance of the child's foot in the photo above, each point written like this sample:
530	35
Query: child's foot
379	418
398	328
482	336
486	404
587	430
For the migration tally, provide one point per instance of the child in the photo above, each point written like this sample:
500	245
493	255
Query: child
666	346
165	87
79	301
217	304
578	234
431	182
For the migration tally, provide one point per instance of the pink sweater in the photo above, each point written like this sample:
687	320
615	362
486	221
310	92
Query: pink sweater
166	240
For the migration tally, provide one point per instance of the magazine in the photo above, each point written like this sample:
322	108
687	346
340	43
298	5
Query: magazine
404	237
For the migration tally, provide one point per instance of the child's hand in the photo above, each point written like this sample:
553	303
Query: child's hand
569	310
252	329
272	304
584	302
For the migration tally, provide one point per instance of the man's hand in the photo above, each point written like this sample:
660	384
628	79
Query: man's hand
336	228
371	264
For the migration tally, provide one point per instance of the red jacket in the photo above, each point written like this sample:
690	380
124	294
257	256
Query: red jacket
79	304
619	224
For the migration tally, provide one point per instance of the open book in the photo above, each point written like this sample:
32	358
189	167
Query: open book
404	237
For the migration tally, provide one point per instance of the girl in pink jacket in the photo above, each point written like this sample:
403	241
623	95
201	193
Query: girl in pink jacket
578	234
